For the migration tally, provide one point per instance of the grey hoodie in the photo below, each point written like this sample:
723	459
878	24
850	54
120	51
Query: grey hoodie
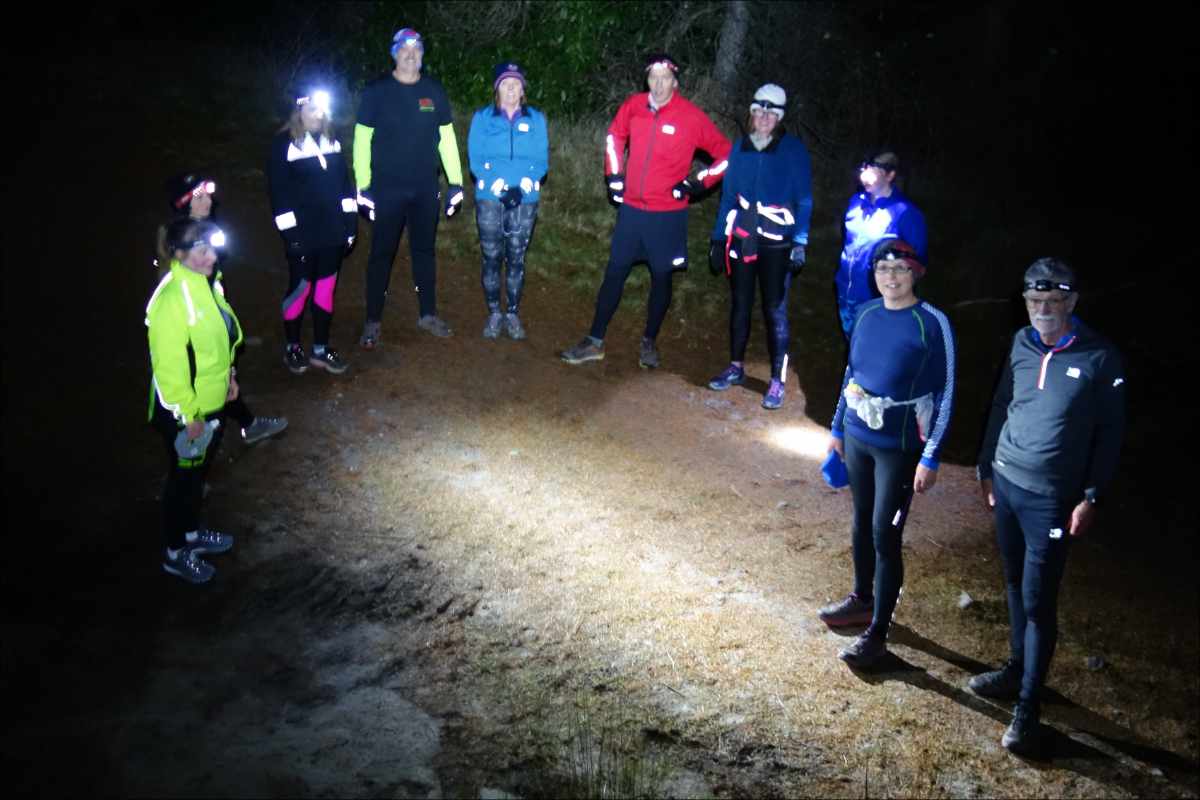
1058	415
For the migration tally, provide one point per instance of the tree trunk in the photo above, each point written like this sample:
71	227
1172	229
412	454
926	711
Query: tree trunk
732	46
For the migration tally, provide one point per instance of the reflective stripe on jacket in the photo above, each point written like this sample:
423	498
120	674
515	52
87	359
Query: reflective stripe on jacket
662	145
502	153
191	346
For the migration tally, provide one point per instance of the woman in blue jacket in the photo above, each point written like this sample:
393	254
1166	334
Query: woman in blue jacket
509	152
879	209
760	235
889	426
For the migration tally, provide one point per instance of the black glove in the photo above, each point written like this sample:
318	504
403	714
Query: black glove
796	259
454	198
716	257
366	204
685	188
616	188
512	197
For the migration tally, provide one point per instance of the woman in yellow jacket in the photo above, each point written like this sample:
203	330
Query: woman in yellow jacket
193	334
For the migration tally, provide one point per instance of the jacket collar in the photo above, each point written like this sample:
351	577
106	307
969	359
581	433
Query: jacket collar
747	146
523	111
1064	341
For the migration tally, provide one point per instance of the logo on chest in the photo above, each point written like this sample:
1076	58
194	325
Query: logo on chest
425	104
1073	372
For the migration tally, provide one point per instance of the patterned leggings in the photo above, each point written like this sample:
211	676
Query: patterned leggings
504	235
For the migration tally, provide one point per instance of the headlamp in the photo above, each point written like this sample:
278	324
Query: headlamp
203	187
215	240
767	105
321	102
1044	285
895	253
671	65
878	165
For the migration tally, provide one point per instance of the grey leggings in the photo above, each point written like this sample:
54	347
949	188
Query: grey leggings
504	235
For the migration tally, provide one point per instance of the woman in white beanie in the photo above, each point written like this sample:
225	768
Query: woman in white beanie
760	235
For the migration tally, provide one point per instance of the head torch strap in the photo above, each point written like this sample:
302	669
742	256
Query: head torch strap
1044	285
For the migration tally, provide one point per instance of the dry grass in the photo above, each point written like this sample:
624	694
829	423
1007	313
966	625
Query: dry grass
652	593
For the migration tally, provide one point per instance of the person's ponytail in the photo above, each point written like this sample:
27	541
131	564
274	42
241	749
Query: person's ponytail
162	250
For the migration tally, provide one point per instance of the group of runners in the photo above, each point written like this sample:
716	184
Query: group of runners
1057	419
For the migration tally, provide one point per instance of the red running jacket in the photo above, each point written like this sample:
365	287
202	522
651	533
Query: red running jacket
662	145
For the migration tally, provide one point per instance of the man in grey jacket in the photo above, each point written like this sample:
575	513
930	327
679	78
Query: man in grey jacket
1049	452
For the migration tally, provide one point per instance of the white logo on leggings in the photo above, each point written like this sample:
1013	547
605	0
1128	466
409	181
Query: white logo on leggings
1056	533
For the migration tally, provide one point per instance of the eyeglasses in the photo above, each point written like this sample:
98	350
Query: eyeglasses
1053	302
894	269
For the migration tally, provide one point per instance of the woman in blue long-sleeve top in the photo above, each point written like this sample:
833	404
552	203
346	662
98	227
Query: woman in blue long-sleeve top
509	152
760	235
889	426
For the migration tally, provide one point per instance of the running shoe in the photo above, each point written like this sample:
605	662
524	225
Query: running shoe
1023	735
189	566
732	376
206	541
588	349
773	399
648	355
999	684
263	428
331	361
295	360
491	330
434	325
513	327
850	611
372	330
865	651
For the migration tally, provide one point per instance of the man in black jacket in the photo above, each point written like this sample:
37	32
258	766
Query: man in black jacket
1049	452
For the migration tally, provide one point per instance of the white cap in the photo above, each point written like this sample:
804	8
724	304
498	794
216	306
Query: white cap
770	97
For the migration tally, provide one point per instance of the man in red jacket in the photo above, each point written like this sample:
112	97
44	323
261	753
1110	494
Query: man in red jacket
651	187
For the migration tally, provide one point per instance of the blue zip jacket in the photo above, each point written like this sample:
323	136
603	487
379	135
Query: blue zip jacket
501	153
777	177
902	354
867	222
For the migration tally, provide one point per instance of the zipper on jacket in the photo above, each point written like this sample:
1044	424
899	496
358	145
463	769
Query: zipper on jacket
1046	361
649	152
